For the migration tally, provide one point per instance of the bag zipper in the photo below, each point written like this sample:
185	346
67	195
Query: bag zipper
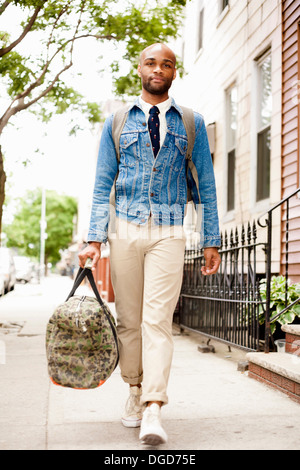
78	317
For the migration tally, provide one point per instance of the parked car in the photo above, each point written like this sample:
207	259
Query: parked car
24	268
7	269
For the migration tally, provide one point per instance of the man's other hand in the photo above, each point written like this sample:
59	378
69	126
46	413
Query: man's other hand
212	261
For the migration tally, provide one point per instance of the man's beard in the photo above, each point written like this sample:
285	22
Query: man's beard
160	89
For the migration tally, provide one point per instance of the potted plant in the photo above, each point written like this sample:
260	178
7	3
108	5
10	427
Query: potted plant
277	304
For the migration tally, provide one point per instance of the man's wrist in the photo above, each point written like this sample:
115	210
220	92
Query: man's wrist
97	244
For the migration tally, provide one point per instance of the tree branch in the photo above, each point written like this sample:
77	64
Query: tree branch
61	13
46	91
49	88
4	6
48	61
46	66
6	50
12	110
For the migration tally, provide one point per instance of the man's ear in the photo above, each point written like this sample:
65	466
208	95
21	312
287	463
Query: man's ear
139	70
175	74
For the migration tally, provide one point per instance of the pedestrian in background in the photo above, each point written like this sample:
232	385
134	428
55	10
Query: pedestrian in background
147	251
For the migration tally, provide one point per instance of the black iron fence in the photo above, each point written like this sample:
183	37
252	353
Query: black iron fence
284	205
227	305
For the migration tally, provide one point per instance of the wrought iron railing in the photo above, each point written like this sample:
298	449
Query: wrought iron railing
268	218
227	305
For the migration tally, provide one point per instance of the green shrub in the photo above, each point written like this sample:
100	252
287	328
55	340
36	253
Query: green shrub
277	301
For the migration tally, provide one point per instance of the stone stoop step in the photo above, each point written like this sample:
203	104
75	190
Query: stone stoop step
292	337
280	370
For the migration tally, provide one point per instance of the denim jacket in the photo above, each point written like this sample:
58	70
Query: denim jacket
158	186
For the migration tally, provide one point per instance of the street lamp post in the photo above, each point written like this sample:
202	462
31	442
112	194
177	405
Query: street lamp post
43	226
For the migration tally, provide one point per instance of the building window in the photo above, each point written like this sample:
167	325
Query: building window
231	119
264	127
200	35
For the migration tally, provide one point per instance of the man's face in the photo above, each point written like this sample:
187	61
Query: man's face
157	69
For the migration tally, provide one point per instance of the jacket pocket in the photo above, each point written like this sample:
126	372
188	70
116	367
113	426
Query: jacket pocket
129	149
178	160
181	145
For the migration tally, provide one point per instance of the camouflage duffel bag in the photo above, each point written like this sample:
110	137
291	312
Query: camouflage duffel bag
81	340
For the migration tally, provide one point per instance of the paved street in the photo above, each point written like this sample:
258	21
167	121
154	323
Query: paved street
212	405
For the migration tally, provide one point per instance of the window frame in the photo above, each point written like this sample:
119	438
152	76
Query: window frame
200	30
260	132
230	149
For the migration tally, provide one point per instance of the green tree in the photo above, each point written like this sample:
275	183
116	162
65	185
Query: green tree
36	81
24	232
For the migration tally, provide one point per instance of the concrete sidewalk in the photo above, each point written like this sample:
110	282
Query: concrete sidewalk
212	406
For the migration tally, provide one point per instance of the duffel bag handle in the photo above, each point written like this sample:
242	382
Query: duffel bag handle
82	273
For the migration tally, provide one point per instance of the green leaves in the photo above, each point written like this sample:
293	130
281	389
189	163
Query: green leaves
277	301
19	75
24	232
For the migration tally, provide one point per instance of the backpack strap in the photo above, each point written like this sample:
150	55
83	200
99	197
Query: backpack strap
189	124
118	123
119	120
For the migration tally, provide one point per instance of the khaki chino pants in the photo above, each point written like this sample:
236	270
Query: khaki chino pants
146	267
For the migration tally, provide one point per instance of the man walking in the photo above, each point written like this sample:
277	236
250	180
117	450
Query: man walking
147	251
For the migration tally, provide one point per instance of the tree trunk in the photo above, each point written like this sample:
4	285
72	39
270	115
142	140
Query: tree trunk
2	189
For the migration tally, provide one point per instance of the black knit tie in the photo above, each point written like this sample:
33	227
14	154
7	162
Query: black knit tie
153	125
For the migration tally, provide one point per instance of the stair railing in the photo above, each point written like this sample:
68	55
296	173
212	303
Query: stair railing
268	223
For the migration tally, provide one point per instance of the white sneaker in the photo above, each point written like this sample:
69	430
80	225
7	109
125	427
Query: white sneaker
152	432
133	413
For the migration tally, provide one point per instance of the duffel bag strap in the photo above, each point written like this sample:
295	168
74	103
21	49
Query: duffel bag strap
82	274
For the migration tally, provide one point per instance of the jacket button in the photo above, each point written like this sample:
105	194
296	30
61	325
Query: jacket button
152	194
154	169
147	144
144	123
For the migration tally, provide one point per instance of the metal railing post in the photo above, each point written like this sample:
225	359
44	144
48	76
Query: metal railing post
268	290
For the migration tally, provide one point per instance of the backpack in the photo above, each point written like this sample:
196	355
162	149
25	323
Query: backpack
120	118
81	340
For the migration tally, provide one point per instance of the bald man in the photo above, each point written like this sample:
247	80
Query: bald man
147	250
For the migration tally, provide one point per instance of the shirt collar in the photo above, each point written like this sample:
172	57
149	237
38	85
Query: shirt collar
172	104
163	107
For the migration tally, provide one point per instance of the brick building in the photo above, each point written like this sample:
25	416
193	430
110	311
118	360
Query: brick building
241	61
